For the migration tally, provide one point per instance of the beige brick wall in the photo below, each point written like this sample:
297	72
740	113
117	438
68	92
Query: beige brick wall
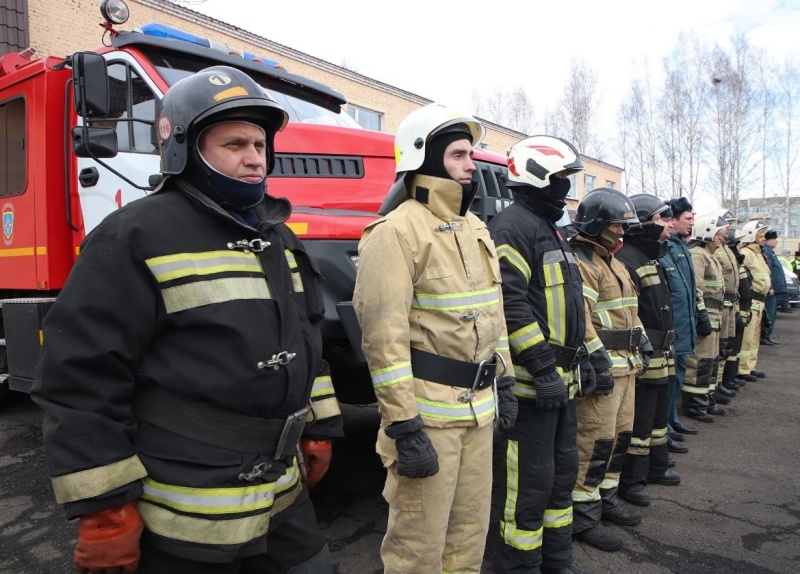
61	27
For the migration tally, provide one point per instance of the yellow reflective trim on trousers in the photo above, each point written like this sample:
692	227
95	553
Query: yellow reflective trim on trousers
178	265
515	258
609	483
93	482
390	375
557	517
555	301
526	337
212	531
208	292
640	442
526	540
456	412
590	293
219	500
701	305
586	496
457	301
513	536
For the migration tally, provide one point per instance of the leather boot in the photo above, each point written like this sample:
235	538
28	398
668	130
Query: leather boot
713	407
699	414
683	429
622	516
731	385
724	391
636	494
600	537
720	398
669	478
758	374
747	378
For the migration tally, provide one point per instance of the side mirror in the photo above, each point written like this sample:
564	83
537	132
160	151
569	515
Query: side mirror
90	86
94	142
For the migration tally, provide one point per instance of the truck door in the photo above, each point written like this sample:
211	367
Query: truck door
132	96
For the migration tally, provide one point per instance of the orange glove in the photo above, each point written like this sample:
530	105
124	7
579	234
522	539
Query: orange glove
108	541
316	459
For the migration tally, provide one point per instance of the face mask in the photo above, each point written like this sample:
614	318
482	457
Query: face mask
608	238
235	192
559	188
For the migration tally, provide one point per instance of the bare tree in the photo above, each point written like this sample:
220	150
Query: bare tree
510	108
787	160
579	106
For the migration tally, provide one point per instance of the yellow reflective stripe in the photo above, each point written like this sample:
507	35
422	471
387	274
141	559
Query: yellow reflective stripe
391	375
96	481
290	259
169	267
586	496
513	536
701	305
590	293
557	517
526	337
609	483
200	293
616	303
323	399
713	283
456	412
640	442
502	345
555	301
213	531
605	319
594	345
456	301
525	389
646	270
516	259
650	281
297	280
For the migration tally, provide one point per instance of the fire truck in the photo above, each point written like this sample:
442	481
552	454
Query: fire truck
78	141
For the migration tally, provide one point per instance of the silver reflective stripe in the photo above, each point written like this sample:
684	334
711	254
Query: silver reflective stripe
553	256
456	301
513	256
391	375
178	265
455	412
199	293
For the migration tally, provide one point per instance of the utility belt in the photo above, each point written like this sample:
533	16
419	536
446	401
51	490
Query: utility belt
759	297
712	303
662	340
453	372
218	427
731	297
568	358
621	339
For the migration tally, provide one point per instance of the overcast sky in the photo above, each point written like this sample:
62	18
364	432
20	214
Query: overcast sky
443	50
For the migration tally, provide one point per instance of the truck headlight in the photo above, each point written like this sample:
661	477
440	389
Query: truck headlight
114	11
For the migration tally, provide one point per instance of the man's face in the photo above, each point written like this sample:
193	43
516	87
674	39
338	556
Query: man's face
761	239
682	225
725	233
718	238
236	149
458	161
666	222
771	242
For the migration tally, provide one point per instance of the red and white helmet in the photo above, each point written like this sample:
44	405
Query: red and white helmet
533	160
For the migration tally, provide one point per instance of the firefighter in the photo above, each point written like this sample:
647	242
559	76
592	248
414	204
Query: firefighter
617	347
180	359
542	297
644	244
701	368
731	379
753	237
796	264
730	320
430	305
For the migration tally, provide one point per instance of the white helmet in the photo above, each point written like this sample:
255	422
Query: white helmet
533	160
727	215
416	130
751	229
706	226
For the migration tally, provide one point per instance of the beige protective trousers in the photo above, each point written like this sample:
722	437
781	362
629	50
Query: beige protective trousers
748	356
439	524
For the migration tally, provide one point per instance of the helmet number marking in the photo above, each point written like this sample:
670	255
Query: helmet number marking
164	128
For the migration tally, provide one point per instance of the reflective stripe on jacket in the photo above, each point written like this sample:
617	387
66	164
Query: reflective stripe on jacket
709	280
759	271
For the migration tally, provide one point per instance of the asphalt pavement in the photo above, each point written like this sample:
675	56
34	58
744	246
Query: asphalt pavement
737	509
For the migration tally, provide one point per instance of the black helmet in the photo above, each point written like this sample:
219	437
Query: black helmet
647	206
212	95
603	206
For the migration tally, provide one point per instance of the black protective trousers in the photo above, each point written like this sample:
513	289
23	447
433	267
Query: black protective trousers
647	457
536	482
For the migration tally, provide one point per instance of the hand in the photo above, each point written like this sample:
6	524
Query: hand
316	459
704	328
416	456
551	392
108	541
588	379
771	292
645	358
506	403
740	322
605	382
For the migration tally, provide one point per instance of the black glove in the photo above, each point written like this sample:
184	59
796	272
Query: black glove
551	392
506	403
416	456
588	379
740	324
703	323
605	382
645	362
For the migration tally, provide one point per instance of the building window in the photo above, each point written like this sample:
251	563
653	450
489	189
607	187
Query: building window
13	160
573	186
588	183
610	184
368	119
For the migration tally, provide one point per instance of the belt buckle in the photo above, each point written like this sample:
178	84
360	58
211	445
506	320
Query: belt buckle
294	421
578	357
670	337
635	337
483	370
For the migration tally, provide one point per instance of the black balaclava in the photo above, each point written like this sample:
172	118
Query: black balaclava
547	201
433	164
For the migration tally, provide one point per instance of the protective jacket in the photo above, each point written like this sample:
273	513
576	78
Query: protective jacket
709	280
171	295
641	258
755	263
429	280
730	273
542	292
609	299
775	270
677	263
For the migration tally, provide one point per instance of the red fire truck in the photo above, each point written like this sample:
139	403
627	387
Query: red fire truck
77	142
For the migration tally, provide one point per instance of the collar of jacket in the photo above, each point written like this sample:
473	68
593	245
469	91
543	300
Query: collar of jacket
528	198
271	210
753	247
651	248
677	239
600	249
444	197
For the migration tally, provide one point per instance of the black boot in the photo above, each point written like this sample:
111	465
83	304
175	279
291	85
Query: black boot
622	516
724	391
600	537
713	407
719	398
695	405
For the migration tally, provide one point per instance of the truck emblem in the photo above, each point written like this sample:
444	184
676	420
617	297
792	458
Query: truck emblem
164	127
220	79
8	223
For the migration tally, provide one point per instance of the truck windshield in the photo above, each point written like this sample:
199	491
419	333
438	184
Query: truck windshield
173	67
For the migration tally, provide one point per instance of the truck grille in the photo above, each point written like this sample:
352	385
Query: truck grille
341	166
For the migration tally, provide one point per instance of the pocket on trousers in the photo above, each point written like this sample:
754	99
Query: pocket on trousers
403	493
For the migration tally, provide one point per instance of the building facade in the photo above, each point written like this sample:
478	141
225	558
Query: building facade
780	216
